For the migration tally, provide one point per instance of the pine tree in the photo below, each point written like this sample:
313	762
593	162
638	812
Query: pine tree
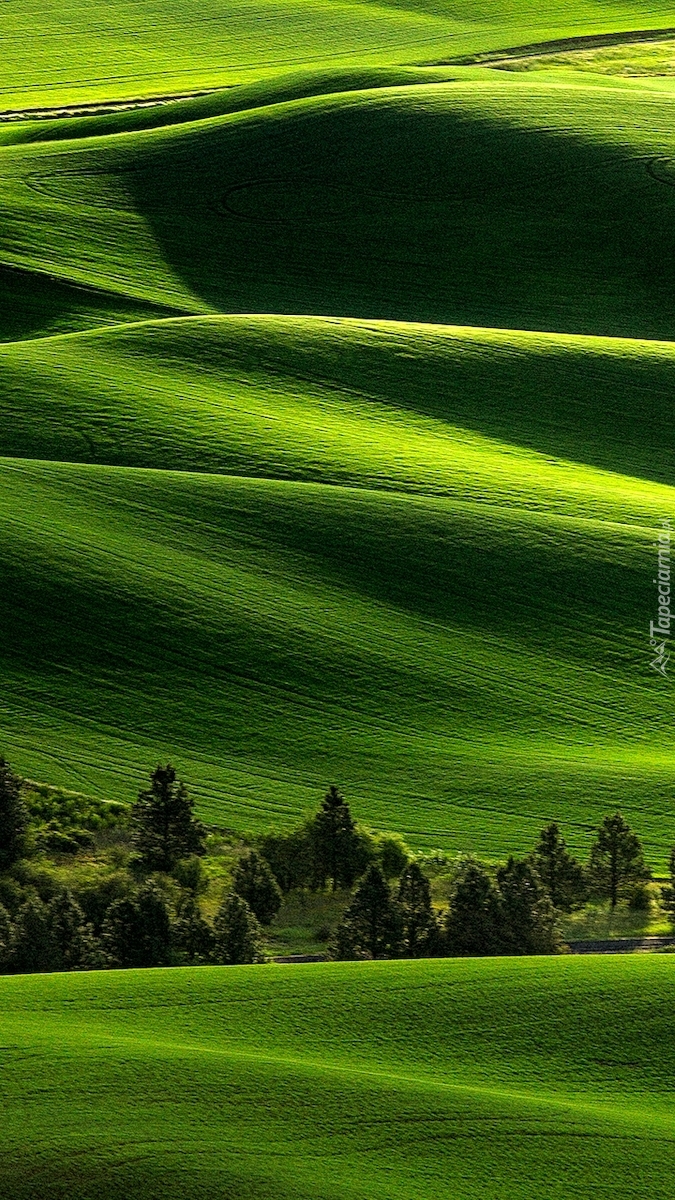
164	829
32	946
237	933
255	883
338	847
528	918
5	938
67	924
474	923
372	922
14	817
560	873
192	933
419	930
616	859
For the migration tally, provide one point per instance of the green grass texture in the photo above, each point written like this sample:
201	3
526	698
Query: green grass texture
491	1078
336	413
162	47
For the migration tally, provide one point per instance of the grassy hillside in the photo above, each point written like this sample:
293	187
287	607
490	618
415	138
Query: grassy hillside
427	1079
162	47
305	610
492	201
335	414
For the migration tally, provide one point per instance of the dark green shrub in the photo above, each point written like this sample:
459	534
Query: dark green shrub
255	883
14	817
136	931
192	935
237	933
392	855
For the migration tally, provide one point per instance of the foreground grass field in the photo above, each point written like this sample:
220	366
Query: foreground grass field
517	1078
335	412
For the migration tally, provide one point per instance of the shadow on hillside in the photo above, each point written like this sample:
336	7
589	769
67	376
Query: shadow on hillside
404	209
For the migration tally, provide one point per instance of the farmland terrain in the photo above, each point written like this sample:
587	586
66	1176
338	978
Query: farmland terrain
427	1079
336	408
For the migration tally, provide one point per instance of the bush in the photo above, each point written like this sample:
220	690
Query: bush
255	883
639	898
392	854
137	930
191	932
237	933
291	858
96	898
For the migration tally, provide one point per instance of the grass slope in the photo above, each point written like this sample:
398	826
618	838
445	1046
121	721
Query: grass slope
495	200
163	47
378	615
516	1078
333	443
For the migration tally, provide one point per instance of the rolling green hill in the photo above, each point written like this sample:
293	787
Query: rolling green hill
163	47
335	413
496	1078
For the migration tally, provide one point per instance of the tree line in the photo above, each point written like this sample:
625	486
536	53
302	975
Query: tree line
513	909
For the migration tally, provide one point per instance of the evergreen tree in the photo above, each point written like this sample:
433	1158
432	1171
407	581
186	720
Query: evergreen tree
14	817
164	829
528	918
372	922
32	946
339	849
474	923
616	859
67	924
237	933
668	893
255	883
560	873
137	929
419	930
5	938
192	934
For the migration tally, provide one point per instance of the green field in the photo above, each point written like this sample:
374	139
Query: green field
335	410
492	1078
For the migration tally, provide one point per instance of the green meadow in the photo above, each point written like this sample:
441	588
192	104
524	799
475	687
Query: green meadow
335	407
492	1078
337	362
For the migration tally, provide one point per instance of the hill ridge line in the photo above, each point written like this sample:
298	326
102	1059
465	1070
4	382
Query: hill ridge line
383	323
588	41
